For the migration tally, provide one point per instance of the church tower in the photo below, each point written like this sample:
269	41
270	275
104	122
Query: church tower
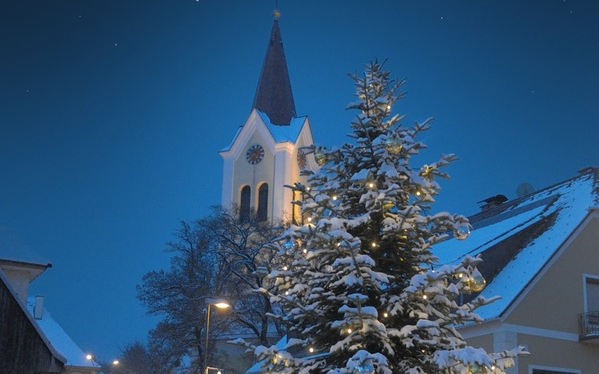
266	153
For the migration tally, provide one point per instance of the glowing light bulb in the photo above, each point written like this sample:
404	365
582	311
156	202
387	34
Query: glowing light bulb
349	331
311	349
285	268
385	314
334	197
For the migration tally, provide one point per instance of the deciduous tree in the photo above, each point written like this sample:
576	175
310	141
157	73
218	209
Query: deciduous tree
216	256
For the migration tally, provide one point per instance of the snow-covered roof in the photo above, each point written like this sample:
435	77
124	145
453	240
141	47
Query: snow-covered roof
13	249
517	238
285	133
59	339
279	133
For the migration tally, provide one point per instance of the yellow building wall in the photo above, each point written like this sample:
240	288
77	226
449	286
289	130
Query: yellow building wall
545	320
555	301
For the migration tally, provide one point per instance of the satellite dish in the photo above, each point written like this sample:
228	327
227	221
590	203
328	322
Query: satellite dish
524	189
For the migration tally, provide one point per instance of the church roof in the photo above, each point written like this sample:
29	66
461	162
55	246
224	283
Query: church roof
273	94
280	134
288	133
517	239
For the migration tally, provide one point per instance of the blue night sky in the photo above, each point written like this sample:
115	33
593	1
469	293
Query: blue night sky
112	113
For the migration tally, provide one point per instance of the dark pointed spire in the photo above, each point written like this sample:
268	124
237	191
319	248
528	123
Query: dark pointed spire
273	94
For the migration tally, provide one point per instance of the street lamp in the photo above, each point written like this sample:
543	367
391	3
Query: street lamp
92	360
221	304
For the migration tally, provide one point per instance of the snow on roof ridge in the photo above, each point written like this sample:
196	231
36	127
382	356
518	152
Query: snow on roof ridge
528	201
284	133
58	339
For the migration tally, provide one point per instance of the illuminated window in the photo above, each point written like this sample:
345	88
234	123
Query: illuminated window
244	204
262	203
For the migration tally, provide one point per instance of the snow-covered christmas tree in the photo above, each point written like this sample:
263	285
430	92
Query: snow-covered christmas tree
357	281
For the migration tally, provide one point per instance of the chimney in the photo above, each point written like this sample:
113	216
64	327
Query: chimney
38	307
492	201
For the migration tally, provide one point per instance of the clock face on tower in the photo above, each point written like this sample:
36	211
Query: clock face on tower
254	154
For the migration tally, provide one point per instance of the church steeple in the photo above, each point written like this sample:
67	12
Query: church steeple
273	94
266	154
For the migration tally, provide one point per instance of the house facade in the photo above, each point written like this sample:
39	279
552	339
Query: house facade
541	255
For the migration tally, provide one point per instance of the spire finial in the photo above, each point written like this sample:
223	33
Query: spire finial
276	12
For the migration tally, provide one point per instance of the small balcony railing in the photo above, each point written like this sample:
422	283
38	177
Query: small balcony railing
589	325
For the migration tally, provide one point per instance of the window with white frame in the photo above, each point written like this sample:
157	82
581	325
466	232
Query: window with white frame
591	293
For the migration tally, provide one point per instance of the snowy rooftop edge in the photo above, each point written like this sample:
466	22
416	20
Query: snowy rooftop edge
59	339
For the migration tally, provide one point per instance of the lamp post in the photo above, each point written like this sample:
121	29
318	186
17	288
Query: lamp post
221	304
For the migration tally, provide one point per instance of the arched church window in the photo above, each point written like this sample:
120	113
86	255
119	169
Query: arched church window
262	203
244	204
